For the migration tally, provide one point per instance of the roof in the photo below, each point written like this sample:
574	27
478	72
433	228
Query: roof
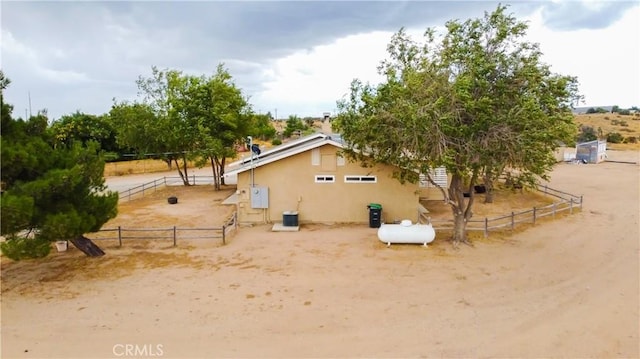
588	143
279	149
281	152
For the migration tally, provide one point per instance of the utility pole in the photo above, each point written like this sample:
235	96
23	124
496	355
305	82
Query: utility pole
29	104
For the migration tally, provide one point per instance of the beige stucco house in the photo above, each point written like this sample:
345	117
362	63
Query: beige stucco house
310	177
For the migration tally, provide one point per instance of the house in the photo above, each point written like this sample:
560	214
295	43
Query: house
310	177
591	152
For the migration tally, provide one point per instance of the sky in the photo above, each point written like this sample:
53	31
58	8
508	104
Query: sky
289	58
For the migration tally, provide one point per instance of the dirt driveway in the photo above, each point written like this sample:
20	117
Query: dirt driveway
562	289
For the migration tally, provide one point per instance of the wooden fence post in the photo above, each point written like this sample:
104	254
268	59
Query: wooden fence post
224	230
534	215
571	205
554	209
174	235
580	202
119	236
235	220
486	227
513	221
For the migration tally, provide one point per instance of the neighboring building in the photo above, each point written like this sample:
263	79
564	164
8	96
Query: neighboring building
591	152
310	177
562	153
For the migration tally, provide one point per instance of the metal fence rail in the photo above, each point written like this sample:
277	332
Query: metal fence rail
567	202
157	184
172	234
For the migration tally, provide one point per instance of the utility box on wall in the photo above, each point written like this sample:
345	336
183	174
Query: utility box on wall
259	197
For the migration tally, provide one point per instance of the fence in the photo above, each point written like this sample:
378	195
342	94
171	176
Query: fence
567	202
150	187
172	233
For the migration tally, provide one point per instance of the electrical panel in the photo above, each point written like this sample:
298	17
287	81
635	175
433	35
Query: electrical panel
259	197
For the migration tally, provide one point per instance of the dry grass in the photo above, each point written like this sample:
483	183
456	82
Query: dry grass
505	201
612	122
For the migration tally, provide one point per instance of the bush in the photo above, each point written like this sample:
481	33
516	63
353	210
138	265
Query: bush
630	139
18	248
586	133
614	137
276	141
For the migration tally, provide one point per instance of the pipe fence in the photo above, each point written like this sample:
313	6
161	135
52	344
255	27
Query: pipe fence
155	185
170	234
567	203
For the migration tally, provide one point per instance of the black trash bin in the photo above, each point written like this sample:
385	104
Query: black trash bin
375	215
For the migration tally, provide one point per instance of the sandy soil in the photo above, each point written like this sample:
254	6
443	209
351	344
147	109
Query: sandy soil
564	288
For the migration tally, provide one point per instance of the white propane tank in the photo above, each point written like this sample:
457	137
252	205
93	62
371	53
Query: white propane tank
405	232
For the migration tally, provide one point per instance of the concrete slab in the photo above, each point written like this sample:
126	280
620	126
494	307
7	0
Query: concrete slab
279	227
233	199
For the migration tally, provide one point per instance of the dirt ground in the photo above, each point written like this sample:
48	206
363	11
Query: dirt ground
563	288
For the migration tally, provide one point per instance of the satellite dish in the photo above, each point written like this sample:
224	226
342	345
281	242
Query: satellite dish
255	149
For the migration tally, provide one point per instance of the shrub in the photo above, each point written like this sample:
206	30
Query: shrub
586	133
276	141
630	139
18	248
614	137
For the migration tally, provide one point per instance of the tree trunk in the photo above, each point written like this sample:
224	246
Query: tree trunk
224	160
214	169
460	229
87	246
488	195
186	174
461	207
185	180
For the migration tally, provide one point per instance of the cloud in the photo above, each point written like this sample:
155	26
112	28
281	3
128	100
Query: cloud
299	55
577	15
606	61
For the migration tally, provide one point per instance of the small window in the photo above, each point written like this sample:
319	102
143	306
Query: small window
315	157
325	179
360	179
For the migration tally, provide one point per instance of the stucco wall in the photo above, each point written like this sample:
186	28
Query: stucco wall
292	187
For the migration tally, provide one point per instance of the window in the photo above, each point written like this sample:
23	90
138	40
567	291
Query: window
360	179
439	176
325	179
315	157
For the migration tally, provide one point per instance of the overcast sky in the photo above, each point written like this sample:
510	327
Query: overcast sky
296	57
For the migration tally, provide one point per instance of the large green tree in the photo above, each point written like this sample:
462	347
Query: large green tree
476	99
185	118
139	128
175	135
217	108
49	192
81	127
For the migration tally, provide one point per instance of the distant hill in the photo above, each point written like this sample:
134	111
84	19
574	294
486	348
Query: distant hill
583	110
